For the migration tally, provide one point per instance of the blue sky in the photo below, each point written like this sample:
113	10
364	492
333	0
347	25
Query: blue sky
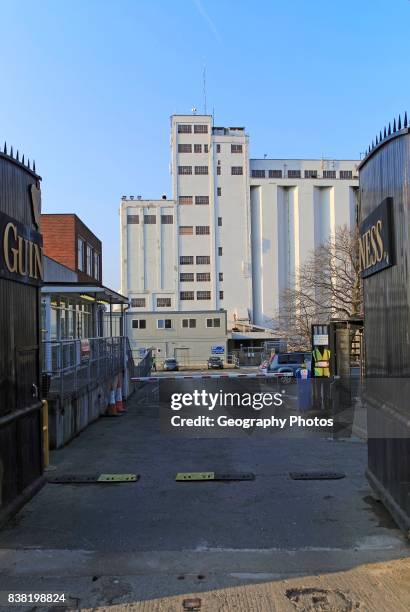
87	87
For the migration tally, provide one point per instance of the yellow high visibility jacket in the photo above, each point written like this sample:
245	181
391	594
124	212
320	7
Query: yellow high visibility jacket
322	362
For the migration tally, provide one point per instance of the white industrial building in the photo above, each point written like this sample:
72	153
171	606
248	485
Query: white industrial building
236	229
296	205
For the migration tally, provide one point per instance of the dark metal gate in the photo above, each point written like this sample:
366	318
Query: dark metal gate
384	242
21	461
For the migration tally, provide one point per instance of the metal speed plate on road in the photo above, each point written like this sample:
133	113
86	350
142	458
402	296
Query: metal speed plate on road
195	476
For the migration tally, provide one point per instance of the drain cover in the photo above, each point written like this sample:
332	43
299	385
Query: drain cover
234	476
192	605
318	600
89	478
317	475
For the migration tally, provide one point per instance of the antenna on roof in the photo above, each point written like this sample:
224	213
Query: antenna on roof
204	82
193	109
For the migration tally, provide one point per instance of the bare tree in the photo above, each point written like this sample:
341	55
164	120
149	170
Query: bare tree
327	286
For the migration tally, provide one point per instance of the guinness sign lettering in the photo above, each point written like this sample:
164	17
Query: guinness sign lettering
376	249
21	252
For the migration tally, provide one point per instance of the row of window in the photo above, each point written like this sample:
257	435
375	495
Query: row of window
189	200
183	295
88	260
235	170
187	148
188	230
191	323
165	302
309	174
188	260
150	219
235	148
199	200
189	277
200	295
169	219
167	323
186	128
197	169
162	302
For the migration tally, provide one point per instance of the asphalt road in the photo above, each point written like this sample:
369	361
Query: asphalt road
229	533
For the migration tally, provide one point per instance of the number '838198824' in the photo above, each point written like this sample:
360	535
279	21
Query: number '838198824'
29	598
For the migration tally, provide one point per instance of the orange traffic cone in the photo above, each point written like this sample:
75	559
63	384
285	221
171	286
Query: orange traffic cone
118	399
112	410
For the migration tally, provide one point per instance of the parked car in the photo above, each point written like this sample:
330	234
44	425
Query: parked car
171	364
289	362
215	363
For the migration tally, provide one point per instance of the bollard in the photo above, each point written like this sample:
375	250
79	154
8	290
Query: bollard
46	440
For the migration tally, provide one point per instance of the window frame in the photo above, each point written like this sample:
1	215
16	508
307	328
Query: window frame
202	263
186	263
188	321
80	253
199	203
310	174
201	128
89	260
139	321
189	200
184	170
167	219
187	296
191	278
200	295
184	128
167	324
201	170
183	230
150	219
213	321
207	276
184	147
294	174
167	305
138	299
202	230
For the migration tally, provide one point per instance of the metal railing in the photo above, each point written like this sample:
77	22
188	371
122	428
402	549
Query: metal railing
74	364
143	364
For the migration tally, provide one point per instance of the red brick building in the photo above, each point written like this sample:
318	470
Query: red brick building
69	241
